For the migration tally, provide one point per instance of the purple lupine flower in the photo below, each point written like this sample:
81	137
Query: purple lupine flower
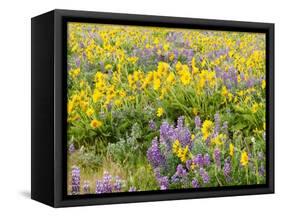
207	160
104	185
163	182
227	170
197	122
182	133
154	154
225	127
199	160
107	187
195	183
75	180
217	156
204	175
71	148
152	125
117	184
181	172
180	122
217	123
77	62
188	164
165	130
180	175
86	187
99	187
132	189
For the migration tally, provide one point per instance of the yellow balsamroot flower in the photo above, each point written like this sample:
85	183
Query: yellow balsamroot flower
255	107
195	70
162	67
70	106
171	78
218	140
207	128
118	102
176	146
231	149
160	112
108	67
182	154
185	78
224	91
90	112
133	60
97	95
166	47
178	66
263	84
96	123
244	158
74	73
156	84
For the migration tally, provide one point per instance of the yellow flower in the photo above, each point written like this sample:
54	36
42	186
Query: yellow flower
224	91
244	158
171	77
255	107
74	73
108	67
117	102
156	84
162	67
160	112
89	112
176	146
183	154
166	47
207	128
97	95
133	60
185	78
218	140
96	123
263	84
231	149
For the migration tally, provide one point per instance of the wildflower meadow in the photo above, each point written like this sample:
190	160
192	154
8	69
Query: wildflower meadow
161	108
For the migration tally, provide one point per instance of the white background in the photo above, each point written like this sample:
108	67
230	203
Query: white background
15	106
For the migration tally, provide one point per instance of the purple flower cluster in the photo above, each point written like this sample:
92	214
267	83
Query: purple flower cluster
75	180
217	156
71	148
227	170
180	175
132	189
199	160
107	185
154	154
169	133
118	184
204	175
197	122
163	181
86	187
195	183
217	123
152	125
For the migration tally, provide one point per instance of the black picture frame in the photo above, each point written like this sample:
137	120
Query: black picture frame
48	107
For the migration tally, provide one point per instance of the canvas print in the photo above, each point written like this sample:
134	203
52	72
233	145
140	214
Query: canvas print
156	108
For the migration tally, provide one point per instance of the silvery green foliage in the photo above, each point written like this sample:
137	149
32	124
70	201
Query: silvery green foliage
127	147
